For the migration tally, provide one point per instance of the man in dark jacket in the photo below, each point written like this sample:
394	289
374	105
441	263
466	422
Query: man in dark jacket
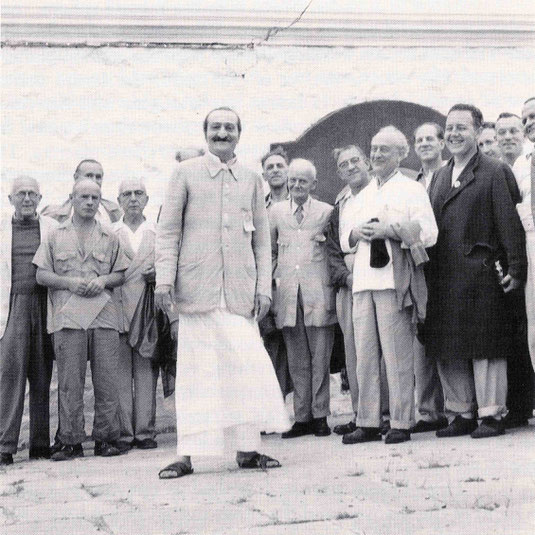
467	330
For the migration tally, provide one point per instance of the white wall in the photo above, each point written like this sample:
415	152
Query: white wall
131	108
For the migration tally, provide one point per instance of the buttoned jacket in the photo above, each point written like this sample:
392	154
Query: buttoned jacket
127	296
46	225
213	237
300	261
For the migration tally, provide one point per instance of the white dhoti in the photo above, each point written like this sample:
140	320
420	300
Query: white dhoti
226	387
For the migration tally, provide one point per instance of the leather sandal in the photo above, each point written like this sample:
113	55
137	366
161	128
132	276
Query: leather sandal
177	469
258	460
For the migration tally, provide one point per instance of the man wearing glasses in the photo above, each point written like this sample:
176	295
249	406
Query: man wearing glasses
25	346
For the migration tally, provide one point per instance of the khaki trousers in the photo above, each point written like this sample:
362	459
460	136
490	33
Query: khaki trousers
73	348
469	384
137	393
309	354
380	328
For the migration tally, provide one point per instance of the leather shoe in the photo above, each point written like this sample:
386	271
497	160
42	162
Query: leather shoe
362	434
321	429
6	459
39	453
106	449
123	446
146	444
385	427
68	452
489	427
299	429
423	426
344	429
459	426
396	436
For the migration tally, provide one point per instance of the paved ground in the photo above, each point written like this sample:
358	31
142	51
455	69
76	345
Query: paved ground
452	486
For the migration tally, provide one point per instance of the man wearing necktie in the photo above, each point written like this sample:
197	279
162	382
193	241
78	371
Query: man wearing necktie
527	215
467	330
304	301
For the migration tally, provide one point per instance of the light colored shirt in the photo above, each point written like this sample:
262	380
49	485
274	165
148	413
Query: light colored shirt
62	253
399	199
522	172
135	237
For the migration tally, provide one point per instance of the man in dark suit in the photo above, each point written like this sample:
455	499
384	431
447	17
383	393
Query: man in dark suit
467	328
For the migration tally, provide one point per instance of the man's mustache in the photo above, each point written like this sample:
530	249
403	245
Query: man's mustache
217	138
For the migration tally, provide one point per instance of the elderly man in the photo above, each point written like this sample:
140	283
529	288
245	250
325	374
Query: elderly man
212	259
486	140
80	262
428	146
25	346
137	375
526	210
388	289
304	301
275	173
108	211
353	167
468	331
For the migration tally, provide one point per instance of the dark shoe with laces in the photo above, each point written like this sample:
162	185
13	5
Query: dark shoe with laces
423	426
489	427
68	452
146	444
362	434
299	429
459	426
321	429
40	453
344	429
396	436
6	459
106	449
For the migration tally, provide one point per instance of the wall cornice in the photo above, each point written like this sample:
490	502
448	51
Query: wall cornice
57	26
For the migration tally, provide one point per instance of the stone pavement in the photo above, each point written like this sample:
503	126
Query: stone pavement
426	486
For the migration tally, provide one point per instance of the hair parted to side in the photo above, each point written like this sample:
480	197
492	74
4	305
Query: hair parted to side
507	115
401	141
277	151
529	100
88	160
488	125
225	108
338	150
438	129
477	116
304	166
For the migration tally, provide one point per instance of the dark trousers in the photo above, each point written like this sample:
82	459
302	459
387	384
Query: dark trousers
73	348
25	355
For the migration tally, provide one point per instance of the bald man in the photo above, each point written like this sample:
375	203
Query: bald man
80	262
108	211
304	302
137	375
25	346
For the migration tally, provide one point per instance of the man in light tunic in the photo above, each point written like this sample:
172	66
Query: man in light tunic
385	302
213	261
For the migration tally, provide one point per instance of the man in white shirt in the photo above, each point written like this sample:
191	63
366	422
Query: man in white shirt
381	325
526	211
137	375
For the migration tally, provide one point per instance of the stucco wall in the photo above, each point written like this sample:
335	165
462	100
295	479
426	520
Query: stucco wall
130	108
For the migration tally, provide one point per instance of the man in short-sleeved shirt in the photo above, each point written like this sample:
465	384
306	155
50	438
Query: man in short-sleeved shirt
81	261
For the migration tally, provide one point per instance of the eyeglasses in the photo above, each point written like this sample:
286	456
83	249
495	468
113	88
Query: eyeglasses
21	195
345	164
136	193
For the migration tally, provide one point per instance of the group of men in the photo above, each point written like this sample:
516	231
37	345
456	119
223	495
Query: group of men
424	277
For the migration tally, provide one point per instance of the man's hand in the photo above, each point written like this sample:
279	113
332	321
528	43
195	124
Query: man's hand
149	274
510	283
356	235
261	307
163	297
374	230
174	330
77	285
349	281
95	287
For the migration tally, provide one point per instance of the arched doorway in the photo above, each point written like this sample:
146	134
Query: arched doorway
356	124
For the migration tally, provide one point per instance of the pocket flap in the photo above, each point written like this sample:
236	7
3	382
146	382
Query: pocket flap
100	256
65	255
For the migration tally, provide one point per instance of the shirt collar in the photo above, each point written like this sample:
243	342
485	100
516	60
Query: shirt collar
306	205
69	225
214	164
343	195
